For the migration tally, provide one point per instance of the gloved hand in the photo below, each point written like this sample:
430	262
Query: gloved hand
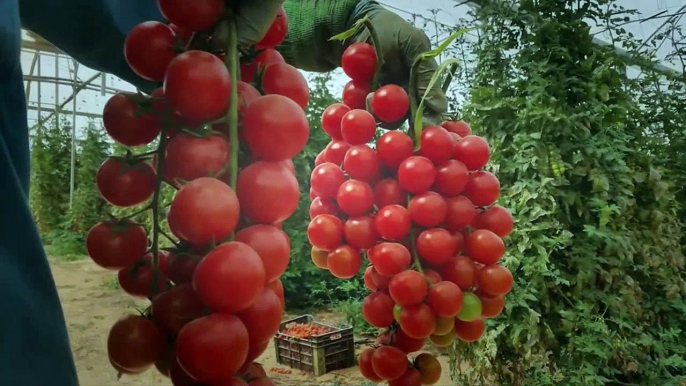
313	22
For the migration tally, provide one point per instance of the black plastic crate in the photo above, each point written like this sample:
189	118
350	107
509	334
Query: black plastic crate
319	354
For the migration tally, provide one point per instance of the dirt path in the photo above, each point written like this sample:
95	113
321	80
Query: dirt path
92	303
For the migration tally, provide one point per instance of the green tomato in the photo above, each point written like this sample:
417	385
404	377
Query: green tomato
471	308
396	312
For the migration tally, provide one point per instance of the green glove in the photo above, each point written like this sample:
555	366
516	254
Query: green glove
313	22
254	19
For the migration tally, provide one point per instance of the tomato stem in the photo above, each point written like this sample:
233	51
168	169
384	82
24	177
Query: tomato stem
231	61
376	42
414	105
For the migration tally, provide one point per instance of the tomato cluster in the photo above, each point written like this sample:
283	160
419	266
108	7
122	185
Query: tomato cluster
305	330
216	297
426	219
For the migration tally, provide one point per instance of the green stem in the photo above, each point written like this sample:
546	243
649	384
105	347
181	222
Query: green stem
414	79
136	213
231	61
379	53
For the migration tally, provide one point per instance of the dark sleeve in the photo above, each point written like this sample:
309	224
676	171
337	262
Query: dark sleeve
91	31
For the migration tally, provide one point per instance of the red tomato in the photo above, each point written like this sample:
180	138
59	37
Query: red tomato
362	163
389	192
416	174
181	267
389	363
264	59
271	244
380	281
405	343
490	306
200	340
469	331
331	119
325	232
180	377
125	183
128	123
358	126
417	321
199	16
203	211
369	279
389	258
326	179
451	178
360	232
321	158
134	343
246	95
176	307
436	144
268	192
252	370
460	213
485	247
116	245
428	209
138	279
390	103
460	128
359	61
148	49
408	288
355	94
277	287
496	219
263	318
182	35
411	377
275	128
284	79
276	32
393	147
483	188
393	222
445	299
355	198
473	151
189	157
336	151
364	362
459	270
197	85
436	246
322	206
344	262
494	280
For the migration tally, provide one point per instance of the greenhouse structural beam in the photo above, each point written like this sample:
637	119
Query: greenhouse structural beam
78	113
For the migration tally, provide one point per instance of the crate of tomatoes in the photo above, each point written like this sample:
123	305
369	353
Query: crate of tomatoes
310	346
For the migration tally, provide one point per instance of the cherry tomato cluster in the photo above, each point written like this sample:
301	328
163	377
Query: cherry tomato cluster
216	297
426	220
305	330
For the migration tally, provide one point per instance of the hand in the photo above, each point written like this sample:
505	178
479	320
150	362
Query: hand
254	18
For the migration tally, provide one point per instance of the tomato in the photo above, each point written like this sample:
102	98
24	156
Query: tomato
197	85
460	128
276	32
116	245
443	341
389	363
164	364
362	163
393	222
125	183
369	279
429	368
436	246
149	48
496	219
357	127
268	192
389	258
405	343
319	257
200	340
331	120
275	128
199	16
460	213
176	307
189	157
181	267
379	280
134	343
417	321
271	244
360	232
485	247
284	79
320	206
355	94
416	174
494	280
445	299
344	262
325	232
252	370
428	209
471	308
432	276
444	325
183	36
336	151
436	144
389	192
393	147
491	306
364	362
473	151
326	179
459	270
483	188
204	210
180	377
451	178
359	61
408	288
246	95
263	60
355	198
263	318
128	123
411	377
321	158
390	103
469	331
277	287
138	279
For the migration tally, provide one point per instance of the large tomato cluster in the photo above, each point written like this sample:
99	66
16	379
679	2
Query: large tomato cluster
216	298
427	221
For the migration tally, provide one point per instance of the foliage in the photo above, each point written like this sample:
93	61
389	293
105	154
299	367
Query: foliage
589	167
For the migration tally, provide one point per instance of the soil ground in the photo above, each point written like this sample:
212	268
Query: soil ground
92	302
